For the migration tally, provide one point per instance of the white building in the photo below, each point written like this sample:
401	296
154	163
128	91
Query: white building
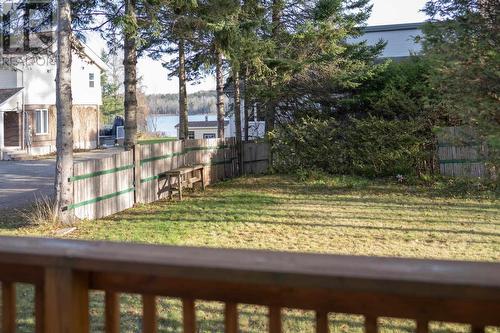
28	98
400	38
206	129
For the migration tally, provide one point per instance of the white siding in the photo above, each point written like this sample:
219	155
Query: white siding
40	84
400	40
83	94
198	131
400	43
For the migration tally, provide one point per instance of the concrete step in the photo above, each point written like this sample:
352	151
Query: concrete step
17	155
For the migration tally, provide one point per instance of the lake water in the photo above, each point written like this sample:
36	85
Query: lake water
165	124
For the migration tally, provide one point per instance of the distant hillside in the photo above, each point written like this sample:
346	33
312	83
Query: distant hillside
203	102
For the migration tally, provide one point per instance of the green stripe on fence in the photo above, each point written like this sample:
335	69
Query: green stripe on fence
100	173
220	162
448	145
185	151
154	141
460	161
99	199
157	158
149	179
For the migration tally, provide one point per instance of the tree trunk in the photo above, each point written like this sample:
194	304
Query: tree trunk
220	95
64	104
237	116
183	107
246	104
130	67
276	15
237	104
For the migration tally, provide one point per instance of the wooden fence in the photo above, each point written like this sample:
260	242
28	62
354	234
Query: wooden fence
106	186
63	272
256	157
460	153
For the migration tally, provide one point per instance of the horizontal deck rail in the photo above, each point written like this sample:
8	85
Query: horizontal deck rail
64	271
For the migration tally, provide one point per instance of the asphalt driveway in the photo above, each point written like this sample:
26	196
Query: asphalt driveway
22	181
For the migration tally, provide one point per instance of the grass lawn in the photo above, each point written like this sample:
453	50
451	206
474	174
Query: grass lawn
338	215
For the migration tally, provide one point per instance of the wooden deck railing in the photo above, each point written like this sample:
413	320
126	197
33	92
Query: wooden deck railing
64	271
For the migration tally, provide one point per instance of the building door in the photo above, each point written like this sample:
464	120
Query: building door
12	129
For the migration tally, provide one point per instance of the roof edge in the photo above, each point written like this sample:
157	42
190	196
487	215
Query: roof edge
394	27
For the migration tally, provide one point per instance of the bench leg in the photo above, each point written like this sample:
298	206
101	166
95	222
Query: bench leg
170	192
202	176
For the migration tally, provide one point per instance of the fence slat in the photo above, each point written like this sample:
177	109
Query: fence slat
460	152
112	312
322	322
275	319
188	316
8	307
231	318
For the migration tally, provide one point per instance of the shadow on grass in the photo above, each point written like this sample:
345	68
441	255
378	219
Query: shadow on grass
138	217
346	184
11	219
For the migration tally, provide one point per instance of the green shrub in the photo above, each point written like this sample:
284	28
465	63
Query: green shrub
369	147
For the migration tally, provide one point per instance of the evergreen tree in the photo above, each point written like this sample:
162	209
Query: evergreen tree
174	34
311	61
462	42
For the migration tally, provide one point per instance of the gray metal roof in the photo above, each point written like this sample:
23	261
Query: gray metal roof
395	27
203	124
6	94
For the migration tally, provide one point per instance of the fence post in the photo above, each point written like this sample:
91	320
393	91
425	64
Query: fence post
241	156
137	174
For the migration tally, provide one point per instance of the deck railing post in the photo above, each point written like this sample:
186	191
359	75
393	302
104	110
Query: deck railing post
371	324
66	301
8	307
231	318
112	312
275	325
188	315
322	322
39	309
149	317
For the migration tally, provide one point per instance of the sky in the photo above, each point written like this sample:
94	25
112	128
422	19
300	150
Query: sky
155	77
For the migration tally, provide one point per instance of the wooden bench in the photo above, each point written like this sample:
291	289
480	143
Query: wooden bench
177	179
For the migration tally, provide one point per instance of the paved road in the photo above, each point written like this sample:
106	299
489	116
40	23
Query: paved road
22	181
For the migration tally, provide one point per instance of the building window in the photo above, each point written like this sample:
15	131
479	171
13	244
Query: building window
91	80
191	135
42	122
209	136
120	132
